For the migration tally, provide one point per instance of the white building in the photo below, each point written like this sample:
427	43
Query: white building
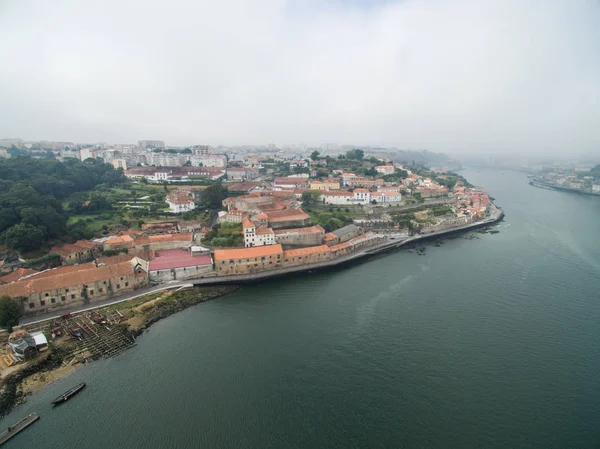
119	163
256	237
385	169
180	201
209	160
86	153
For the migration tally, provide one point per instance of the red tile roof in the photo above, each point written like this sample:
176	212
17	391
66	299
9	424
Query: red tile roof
308	230
15	275
287	214
307	251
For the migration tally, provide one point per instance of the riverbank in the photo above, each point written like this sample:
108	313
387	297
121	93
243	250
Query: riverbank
62	357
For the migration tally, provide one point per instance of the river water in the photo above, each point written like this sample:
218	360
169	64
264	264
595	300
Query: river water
486	341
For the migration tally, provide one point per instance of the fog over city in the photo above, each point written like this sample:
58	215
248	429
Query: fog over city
459	75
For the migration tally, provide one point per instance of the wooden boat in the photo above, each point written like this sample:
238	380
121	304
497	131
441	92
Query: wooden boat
67	394
19	426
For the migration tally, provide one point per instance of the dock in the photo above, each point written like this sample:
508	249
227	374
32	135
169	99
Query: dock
18	427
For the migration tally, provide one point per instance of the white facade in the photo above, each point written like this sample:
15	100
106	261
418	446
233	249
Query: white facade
178	208
252	237
86	153
385	169
209	160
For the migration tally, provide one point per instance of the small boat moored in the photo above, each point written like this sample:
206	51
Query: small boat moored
67	394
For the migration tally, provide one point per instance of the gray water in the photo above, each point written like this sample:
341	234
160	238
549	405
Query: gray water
487	341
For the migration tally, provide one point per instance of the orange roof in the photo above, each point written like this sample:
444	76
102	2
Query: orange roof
262	217
85	244
307	251
248	253
264	231
340	246
361	190
15	275
330	236
247	223
35	284
119	239
65	269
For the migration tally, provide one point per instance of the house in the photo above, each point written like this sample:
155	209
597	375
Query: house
76	285
94	248
177	264
304	256
186	227
245	187
232	216
256	237
339	198
385	169
180	201
70	253
118	243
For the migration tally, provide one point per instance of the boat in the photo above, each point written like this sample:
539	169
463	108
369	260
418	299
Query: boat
17	427
67	394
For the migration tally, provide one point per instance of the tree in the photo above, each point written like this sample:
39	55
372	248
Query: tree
212	197
11	312
314	155
355	154
310	196
23	237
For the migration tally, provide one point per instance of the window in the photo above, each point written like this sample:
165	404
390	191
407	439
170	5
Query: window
118	285
72	296
42	302
67	290
31	305
52	300
45	294
91	292
121	277
104	282
126	284
63	298
100	290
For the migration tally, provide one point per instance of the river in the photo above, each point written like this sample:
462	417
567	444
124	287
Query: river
485	341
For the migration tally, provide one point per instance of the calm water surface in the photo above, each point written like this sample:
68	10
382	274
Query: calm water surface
487	341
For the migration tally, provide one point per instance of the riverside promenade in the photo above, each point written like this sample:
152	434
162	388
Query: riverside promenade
495	215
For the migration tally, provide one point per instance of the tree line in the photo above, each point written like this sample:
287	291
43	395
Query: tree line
31	191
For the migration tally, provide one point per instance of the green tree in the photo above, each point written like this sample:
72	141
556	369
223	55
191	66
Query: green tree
212	197
314	155
355	154
23	237
11	312
310	196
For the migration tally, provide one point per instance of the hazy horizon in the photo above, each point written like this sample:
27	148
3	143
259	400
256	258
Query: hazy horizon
456	76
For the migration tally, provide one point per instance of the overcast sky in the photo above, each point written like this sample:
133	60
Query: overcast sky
464	75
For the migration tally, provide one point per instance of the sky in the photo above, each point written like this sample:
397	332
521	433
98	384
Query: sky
446	75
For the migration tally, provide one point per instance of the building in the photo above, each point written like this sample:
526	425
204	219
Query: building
73	286
174	174
187	227
86	153
364	182
72	253
151	144
247	260
305	256
328	184
232	216
236	174
256	237
288	218
291	182
386	197
339	198
119	163
177	264
385	169
209	160
117	243
180	201
310	236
